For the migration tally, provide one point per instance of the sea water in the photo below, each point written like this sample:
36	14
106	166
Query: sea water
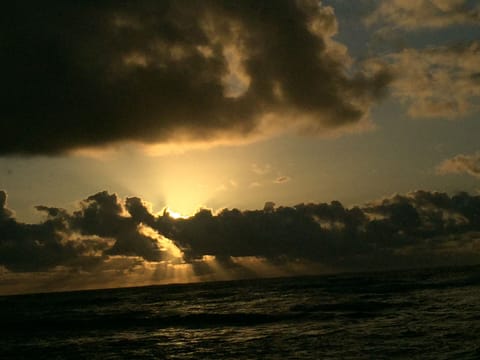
417	314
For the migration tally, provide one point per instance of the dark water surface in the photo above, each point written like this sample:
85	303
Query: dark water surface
421	314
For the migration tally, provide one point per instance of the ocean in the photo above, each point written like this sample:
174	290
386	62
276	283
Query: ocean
415	314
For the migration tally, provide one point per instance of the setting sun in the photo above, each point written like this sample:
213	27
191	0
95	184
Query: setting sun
175	215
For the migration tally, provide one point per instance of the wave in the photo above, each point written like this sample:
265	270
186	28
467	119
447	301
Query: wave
350	306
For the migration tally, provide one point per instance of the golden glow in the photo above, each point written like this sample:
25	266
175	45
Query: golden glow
218	272
259	266
174	214
185	193
182	182
166	273
164	243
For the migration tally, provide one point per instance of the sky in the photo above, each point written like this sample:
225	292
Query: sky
173	141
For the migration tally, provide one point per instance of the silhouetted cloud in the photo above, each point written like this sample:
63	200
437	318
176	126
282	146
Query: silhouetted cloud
103	215
37	247
82	74
411	15
99	229
469	164
269	206
436	82
418	229
4	212
124	238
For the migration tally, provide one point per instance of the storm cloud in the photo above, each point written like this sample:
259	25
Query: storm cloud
88	74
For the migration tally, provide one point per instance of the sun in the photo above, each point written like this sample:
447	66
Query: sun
175	214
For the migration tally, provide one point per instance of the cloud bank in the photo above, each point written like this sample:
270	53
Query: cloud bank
81	74
113	242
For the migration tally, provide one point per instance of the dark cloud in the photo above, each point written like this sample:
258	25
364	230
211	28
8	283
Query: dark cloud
78	74
406	230
4	212
101	228
126	240
102	215
37	247
269	206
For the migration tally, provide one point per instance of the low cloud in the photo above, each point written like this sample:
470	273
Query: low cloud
82	239
469	164
82	76
421	14
439	82
37	247
381	234
108	241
